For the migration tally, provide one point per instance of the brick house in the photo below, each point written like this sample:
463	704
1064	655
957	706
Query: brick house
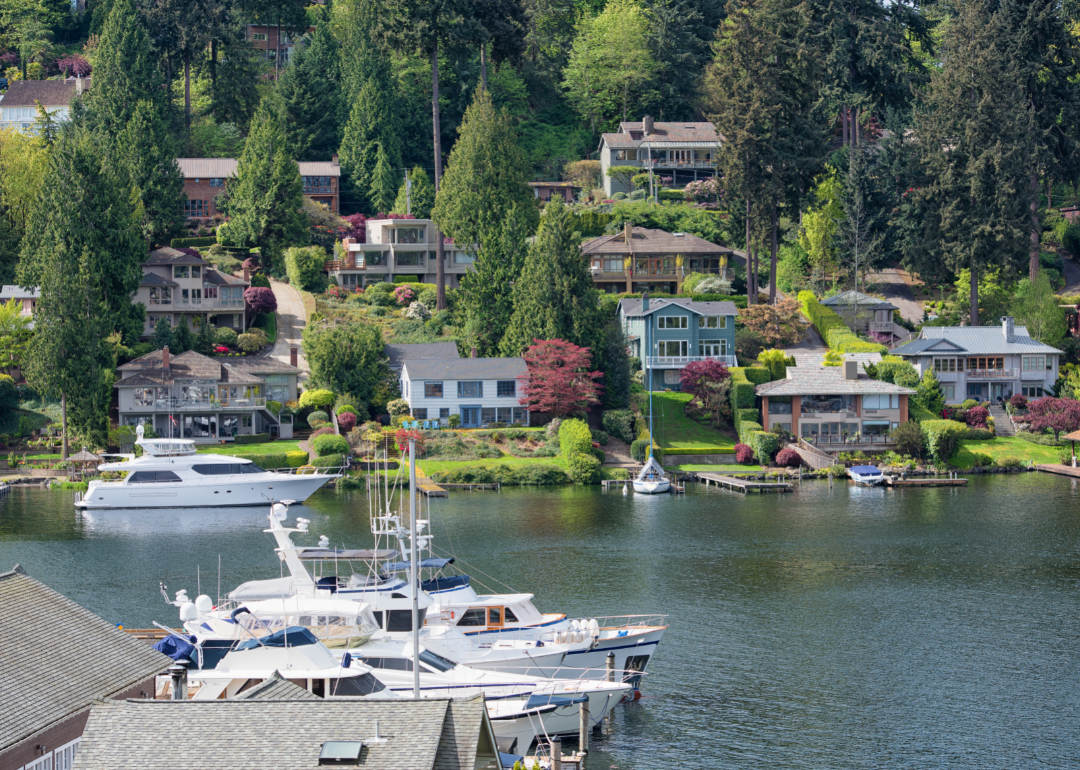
18	107
270	38
545	191
205	179
181	288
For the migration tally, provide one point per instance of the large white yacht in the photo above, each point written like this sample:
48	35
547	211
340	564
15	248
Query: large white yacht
170	474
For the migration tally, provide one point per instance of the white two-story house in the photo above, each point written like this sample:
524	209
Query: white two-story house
481	391
685	151
180	288
986	363
397	247
19	106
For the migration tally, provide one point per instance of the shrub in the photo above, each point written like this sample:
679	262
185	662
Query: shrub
744	455
418	311
254	438
832	328
345	408
909	439
295	459
969	403
399	406
584	468
1018	401
980	460
599	437
1043	439
330	461
317	418
260	299
317	398
639	450
574	438
248	343
267	460
620	424
836	470
329	445
943	438
979	434
746	427
303	265
346	421
1010	462
765	445
788	458
9	395
226	336
323	430
455	420
404	295
742	390
259	280
976	417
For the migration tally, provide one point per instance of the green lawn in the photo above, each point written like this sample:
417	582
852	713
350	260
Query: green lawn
435	466
1005	447
727	469
270	447
673	430
268	323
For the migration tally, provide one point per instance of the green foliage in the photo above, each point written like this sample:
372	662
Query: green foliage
204	340
309	95
746	429
333	461
591	223
765	445
397	407
929	396
304	266
670	217
969	403
381	193
980	460
909	439
979	434
1036	307
583	468
225	336
317	418
620	424
145	152
639	449
527	475
373	123
318	398
163	335
832	328
777	362
184	340
943	437
574	438
251	438
330	445
742	389
347	357
421	198
192	243
9	396
295	459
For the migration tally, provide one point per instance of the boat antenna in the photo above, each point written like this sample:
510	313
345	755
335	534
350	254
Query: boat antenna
219	580
414	574
198	581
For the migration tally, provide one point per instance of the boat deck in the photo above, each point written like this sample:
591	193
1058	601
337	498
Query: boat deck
743	485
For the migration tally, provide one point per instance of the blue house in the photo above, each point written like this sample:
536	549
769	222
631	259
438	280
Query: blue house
668	334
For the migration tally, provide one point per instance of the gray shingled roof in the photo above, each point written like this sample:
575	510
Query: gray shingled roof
51	93
56	658
18	292
826	381
253	734
466	368
203	366
632	307
167	255
399	354
973	340
684	133
215	276
849	298
153	279
276	688
644	242
262	365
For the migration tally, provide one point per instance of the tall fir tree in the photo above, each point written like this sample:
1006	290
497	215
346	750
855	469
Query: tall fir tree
163	336
146	152
310	89
419	199
383	183
486	177
614	362
204	340
183	339
125	70
555	297
266	195
372	123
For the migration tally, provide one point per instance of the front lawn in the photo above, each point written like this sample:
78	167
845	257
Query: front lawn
1004	447
268	323
729	470
270	447
437	466
673	430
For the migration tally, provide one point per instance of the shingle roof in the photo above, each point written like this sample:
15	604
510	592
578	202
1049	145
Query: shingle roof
167	255
254	734
681	132
18	292
974	340
466	368
207	168
399	354
251	365
826	381
51	93
239	376
153	279
632	307
56	658
276	688
186	366
263	365
851	297
215	276
319	168
644	241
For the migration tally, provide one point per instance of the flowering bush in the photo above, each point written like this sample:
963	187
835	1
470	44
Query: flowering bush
402	438
744	455
788	458
404	295
418	311
221	349
346	421
337	292
705	190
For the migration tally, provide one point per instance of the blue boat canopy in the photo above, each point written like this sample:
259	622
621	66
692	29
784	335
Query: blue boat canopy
865	470
293	636
444	583
401	566
509	760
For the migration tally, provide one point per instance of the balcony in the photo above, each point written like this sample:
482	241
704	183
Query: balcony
678	163
678	362
888	327
197	304
213	405
993	374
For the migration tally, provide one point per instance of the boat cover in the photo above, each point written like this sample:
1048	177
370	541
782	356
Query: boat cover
347	554
258	590
293	636
509	760
539	700
400	566
865	470
176	647
444	583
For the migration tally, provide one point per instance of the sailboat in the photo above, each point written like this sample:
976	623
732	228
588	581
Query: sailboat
651	480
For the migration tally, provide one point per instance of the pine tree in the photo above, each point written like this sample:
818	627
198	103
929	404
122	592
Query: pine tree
309	90
146	152
183	339
125	70
266	195
163	335
486	177
204	340
615	364
383	183
372	123
554	298
420	199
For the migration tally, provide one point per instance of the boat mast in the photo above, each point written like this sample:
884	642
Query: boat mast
414	572
648	372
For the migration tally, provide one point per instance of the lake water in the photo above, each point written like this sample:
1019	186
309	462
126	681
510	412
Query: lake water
829	628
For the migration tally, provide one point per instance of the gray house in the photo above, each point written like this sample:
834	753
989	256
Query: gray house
986	363
865	314
398	354
668	334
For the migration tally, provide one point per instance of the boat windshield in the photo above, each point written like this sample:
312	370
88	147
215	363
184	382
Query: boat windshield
365	684
437	662
226	469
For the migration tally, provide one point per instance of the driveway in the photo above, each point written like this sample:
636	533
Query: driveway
810	350
291	320
892	286
1072	277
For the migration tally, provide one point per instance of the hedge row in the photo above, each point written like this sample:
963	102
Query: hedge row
739	416
329	461
765	445
706	450
943	437
257	438
272	460
526	475
179	243
742	390
832	328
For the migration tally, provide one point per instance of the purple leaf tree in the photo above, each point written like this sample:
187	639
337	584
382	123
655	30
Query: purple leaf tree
260	300
1056	414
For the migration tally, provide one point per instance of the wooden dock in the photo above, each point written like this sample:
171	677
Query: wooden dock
932	482
743	485
427	487
1060	470
493	487
628	484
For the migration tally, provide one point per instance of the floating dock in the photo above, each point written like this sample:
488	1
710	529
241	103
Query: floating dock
743	485
893	482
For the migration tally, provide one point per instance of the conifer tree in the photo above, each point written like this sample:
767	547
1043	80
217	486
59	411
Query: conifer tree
309	91
125	70
372	123
183	339
420	200
204	340
266	195
383	183
486	177
146	152
555	297
163	335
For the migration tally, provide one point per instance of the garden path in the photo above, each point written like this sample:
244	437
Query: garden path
617	452
291	320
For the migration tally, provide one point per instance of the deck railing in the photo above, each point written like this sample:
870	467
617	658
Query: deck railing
680	361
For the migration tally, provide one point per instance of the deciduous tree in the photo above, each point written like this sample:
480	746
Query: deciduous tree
260	300
346	357
696	375
559	381
1036	307
777	325
1060	415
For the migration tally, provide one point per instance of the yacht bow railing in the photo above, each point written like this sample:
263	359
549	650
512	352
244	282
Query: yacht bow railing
608	622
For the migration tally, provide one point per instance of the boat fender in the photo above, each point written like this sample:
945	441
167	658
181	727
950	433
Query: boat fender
594	628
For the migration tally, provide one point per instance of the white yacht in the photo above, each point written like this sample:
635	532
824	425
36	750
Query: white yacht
867	475
170	474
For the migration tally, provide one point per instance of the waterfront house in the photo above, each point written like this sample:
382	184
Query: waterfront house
685	151
397	247
181	288
547	191
56	659
205	180
865	314
678	331
206	399
269	39
639	259
27	298
833	404
986	363
290	733
19	106
398	354
481	391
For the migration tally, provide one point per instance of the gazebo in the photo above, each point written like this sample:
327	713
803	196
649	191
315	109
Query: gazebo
83	459
1072	438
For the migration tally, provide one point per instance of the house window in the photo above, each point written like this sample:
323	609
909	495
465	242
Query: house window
316	185
1031	391
419	414
944	364
144	396
180	271
487	415
196	208
613	265
672	348
218	182
712	322
1038	363
780	405
949	391
672	322
444	413
259	36
986	364
470	389
409	235
433	390
64	757
409	258
196	271
620	154
817	404
506	388
463	258
881	402
160	295
45	763
671	377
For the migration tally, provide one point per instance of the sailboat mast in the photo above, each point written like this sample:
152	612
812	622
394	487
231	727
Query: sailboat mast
414	573
648	372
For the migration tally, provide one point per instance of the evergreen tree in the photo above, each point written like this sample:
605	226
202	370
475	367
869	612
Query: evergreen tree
183	339
383	183
372	123
555	297
9	249
615	364
234	86
483	298
421	198
309	90
486	177
204	340
125	71
146	153
163	335
679	42
266	195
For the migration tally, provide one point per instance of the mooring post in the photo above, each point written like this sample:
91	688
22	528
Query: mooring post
556	753
583	731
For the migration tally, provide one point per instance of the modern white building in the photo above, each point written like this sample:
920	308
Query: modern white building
398	247
986	363
481	391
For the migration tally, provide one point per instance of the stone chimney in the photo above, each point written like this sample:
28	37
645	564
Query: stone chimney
628	234
247	272
334	160
165	357
851	370
645	302
647	125
472	353
1008	328
293	354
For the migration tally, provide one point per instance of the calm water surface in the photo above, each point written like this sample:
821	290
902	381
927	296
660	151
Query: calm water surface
830	628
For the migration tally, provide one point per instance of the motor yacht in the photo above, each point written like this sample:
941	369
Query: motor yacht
867	475
170	474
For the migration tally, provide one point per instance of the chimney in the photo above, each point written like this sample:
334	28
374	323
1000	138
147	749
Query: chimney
334	160
1008	328
247	272
78	85
165	358
293	355
628	233
472	354
647	125
645	302
851	370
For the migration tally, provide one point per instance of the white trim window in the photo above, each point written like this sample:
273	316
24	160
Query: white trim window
712	322
881	402
944	364
1038	363
64	757
672	348
673	322
45	763
949	391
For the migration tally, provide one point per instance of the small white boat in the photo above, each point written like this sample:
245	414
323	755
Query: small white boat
866	475
652	480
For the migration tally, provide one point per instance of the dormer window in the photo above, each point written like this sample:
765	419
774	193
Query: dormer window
637	135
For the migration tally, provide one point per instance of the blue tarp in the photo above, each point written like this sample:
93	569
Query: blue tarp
401	566
176	647
865	470
509	760
539	701
444	583
293	636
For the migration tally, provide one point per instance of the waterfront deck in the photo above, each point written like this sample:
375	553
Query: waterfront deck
743	485
1060	470
429	488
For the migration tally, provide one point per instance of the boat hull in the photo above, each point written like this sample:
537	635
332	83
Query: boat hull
230	491
652	487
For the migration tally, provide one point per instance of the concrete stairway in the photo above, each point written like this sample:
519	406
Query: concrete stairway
1002	424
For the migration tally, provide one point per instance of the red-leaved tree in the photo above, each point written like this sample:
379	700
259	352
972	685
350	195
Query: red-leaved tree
260	299
559	381
697	375
356	229
1056	414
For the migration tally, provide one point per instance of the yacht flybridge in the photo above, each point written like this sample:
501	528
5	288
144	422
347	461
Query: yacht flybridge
170	474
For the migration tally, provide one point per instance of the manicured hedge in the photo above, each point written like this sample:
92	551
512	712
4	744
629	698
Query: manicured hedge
584	469
257	438
574	438
739	416
832	328
746	427
742	389
295	459
194	243
270	460
329	445
329	461
918	413
639	449
765	445
943	437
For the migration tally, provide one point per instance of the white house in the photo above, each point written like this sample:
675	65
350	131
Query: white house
481	391
986	363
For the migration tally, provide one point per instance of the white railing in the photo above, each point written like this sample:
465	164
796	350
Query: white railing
991	374
680	361
678	163
179	405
